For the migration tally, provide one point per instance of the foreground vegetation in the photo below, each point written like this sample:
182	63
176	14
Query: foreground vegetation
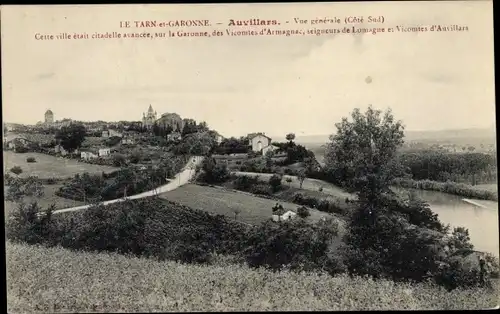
58	280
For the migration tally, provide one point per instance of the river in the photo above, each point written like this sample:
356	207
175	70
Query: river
481	222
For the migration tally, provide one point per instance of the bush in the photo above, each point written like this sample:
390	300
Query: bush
382	243
275	182
295	244
25	225
30	159
214	172
245	183
147	227
260	189
112	141
21	149
51	181
16	170
135	157
303	212
119	160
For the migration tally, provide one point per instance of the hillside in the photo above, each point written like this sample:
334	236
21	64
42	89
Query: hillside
57	280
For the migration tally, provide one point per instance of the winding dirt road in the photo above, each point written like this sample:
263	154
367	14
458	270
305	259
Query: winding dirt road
180	179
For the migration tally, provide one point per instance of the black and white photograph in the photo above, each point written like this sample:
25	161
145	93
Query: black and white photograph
250	157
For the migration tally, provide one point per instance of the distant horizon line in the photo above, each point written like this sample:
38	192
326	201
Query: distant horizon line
491	127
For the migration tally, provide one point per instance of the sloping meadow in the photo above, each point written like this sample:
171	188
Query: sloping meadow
54	280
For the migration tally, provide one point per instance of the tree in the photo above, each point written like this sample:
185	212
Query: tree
71	137
301	176
290	137
19	188
119	160
214	172
236	212
460	240
135	157
303	212
269	159
275	182
363	153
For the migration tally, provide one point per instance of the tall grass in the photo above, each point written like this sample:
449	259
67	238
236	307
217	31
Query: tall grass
448	187
58	280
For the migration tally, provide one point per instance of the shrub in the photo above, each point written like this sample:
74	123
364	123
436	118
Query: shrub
21	149
295	244
146	227
275	182
30	159
135	157
214	172
260	189
382	243
25	225
303	212
245	183
16	170
119	160
112	141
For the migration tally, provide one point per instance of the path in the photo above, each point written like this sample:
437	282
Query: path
180	179
308	184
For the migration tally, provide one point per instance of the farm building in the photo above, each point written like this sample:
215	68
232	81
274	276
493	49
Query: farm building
95	153
88	155
103	152
127	140
260	142
286	216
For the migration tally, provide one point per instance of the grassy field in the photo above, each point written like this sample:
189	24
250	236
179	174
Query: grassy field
308	184
488	187
47	166
253	209
57	280
47	199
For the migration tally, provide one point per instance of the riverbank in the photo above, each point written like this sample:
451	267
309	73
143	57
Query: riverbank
454	188
58	280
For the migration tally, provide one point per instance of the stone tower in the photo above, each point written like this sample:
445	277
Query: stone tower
49	116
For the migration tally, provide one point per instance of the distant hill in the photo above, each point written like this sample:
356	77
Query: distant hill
459	136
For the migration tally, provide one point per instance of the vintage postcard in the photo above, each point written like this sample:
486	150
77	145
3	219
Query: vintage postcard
250	157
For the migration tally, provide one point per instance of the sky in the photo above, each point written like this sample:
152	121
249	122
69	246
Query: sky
238	85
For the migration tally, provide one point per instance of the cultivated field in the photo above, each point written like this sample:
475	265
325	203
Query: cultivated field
253	209
58	280
47	166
